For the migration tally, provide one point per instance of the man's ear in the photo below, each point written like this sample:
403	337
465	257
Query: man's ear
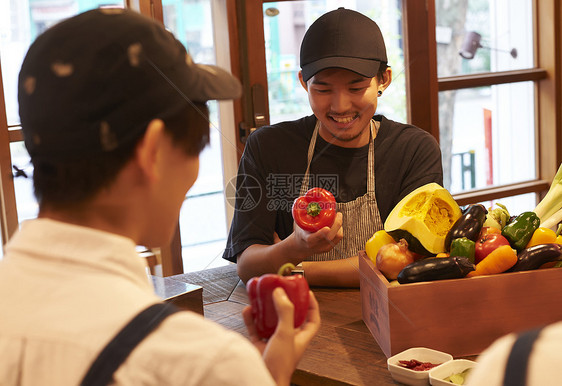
303	83
147	151
386	78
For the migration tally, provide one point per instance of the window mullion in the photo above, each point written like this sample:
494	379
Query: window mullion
421	65
490	79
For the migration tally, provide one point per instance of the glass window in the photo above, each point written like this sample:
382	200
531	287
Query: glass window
284	26
487	136
475	36
203	225
26	203
514	204
20	23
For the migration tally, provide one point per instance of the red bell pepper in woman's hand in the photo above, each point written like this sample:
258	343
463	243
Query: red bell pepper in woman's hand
315	210
260	291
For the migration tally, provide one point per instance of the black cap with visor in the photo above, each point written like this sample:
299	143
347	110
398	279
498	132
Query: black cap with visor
342	38
93	82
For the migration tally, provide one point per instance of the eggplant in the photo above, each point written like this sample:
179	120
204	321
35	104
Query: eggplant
435	268
533	257
468	225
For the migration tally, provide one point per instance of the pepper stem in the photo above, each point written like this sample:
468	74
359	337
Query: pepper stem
559	230
313	209
286	269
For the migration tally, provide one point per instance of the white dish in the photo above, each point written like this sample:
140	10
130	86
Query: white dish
415	377
456	366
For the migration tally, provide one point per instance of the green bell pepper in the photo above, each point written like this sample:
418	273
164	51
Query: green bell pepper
463	247
521	229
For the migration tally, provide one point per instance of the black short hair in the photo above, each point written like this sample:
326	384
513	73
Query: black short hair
382	69
61	184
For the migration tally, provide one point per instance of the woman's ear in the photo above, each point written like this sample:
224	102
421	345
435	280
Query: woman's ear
148	148
303	83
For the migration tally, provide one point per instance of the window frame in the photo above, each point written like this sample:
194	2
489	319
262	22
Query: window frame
8	210
423	84
546	76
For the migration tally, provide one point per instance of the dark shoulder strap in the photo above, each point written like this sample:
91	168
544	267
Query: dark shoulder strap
119	348
516	368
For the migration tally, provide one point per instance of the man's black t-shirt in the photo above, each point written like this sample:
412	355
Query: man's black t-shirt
275	159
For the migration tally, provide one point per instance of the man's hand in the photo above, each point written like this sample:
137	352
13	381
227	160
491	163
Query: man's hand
321	241
258	259
283	351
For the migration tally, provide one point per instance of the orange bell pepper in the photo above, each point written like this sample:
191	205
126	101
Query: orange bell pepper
499	260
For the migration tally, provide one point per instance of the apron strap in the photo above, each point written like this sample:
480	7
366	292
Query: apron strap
518	360
310	154
374	127
371	157
118	349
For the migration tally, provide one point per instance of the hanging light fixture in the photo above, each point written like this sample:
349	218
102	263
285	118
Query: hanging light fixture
472	43
272	11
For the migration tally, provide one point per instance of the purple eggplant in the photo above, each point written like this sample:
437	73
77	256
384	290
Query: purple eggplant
533	257
468	225
435	268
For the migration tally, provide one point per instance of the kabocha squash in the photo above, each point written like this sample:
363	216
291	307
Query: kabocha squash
424	218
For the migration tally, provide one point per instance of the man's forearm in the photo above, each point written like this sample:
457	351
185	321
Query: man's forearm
258	259
333	273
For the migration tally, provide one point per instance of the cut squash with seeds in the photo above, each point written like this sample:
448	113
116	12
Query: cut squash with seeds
423	218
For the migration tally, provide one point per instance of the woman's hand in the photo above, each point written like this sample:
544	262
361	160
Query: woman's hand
283	351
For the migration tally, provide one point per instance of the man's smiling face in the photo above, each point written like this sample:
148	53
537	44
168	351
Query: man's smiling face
344	102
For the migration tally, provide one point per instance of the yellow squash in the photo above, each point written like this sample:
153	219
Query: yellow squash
423	218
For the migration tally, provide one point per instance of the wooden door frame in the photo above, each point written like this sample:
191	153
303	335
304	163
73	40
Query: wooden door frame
8	208
171	254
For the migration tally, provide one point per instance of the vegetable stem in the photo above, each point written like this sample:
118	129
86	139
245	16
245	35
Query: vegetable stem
285	269
552	221
313	209
552	201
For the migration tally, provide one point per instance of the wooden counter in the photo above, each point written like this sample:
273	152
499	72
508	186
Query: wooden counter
343	353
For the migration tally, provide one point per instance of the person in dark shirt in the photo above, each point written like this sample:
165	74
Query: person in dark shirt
367	161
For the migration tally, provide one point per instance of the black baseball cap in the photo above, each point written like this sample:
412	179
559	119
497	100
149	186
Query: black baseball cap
342	38
93	82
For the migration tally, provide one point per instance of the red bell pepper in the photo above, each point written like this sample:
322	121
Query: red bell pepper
315	210
263	309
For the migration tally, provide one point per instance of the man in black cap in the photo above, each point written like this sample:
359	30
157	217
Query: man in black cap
114	118
342	147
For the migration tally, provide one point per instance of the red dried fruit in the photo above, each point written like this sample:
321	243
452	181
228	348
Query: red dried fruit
416	365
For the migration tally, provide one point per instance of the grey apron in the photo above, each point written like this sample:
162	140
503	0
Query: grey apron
361	217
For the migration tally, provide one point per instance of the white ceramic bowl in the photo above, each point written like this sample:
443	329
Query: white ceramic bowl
439	373
415	377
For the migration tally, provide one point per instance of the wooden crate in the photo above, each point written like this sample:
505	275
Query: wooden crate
461	317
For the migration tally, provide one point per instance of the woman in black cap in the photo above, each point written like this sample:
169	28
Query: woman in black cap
342	147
